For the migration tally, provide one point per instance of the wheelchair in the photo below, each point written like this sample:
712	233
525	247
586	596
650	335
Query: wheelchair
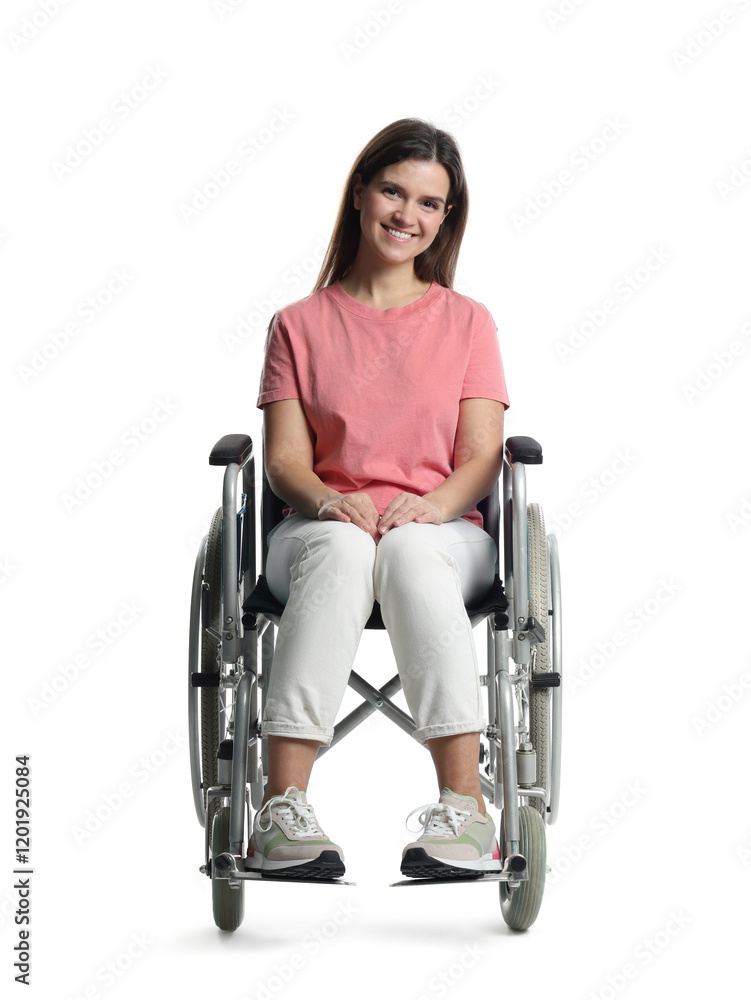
233	617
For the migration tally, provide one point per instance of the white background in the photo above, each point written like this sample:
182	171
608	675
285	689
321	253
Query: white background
650	856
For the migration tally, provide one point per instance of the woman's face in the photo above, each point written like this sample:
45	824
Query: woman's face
402	208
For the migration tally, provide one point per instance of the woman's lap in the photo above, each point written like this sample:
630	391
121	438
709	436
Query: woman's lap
467	546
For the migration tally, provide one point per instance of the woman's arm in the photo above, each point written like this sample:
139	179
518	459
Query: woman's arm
478	460
288	451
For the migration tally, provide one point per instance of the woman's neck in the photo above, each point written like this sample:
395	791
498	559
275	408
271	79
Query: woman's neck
385	289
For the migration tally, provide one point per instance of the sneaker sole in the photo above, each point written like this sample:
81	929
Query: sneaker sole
327	865
417	863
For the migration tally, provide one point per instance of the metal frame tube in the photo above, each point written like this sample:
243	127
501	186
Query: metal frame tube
267	658
381	702
508	755
240	762
230	604
493	769
519	512
360	714
508	552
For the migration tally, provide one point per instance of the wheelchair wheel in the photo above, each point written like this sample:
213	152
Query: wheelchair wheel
211	699
539	698
228	903
521	906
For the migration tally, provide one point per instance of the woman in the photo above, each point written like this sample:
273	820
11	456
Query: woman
383	395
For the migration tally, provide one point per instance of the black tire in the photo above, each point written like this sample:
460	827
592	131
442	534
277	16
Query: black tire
539	698
228	903
211	734
521	906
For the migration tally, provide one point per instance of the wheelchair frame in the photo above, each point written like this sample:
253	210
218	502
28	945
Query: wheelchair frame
514	636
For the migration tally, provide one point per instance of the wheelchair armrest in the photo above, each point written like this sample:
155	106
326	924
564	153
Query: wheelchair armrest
231	448
523	449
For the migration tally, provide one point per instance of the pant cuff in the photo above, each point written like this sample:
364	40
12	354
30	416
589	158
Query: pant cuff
302	732
429	732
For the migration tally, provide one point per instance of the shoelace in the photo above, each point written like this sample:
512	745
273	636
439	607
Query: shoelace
438	819
292	810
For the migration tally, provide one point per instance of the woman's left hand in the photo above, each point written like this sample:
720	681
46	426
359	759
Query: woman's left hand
406	507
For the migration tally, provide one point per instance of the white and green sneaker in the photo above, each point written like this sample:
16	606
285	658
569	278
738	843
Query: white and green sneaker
287	841
457	841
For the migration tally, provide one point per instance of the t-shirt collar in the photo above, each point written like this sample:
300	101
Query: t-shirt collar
345	300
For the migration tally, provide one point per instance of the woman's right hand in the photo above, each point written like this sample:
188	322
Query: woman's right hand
355	507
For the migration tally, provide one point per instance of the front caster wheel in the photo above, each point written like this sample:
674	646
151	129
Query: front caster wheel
229	903
521	906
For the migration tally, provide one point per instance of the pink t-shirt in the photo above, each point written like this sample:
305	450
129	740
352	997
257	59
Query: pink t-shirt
381	388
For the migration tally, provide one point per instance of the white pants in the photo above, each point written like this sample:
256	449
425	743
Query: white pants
328	574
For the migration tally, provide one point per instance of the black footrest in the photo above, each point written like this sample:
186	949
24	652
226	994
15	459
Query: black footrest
205	680
549	679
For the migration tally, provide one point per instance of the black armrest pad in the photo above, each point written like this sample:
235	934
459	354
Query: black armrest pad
523	449
231	448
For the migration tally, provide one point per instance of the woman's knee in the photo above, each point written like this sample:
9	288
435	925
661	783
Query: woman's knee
411	561
412	546
341	543
418	556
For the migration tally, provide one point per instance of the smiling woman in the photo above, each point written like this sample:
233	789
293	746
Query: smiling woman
426	158
381	471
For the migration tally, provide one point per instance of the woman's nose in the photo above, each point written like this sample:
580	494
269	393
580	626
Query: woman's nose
405	215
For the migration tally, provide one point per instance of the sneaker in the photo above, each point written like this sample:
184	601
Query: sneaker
456	840
288	842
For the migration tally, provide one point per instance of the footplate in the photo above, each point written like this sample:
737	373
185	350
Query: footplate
225	866
512	877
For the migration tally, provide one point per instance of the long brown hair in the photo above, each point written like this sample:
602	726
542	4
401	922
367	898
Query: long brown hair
406	139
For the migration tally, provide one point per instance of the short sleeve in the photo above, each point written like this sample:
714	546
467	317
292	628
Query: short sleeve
484	377
278	375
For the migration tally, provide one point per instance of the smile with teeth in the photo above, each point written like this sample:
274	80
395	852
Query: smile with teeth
397	234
